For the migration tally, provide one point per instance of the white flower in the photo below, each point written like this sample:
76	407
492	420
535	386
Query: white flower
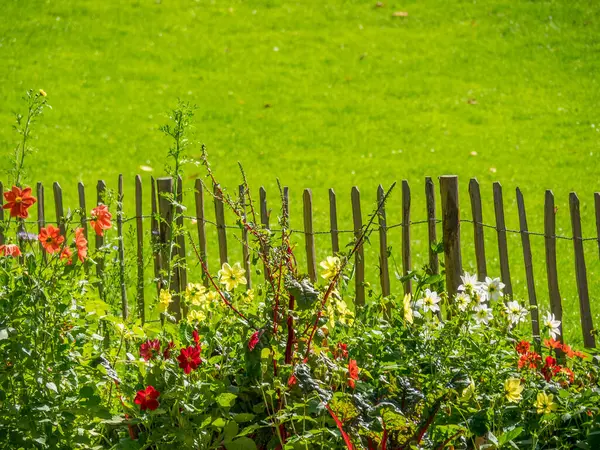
463	301
516	313
493	287
469	283
480	295
429	302
483	314
552	324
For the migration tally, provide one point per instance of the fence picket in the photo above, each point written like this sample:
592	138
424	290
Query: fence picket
81	195
139	228
309	237
478	237
528	261
406	257
585	312
434	264
41	214
264	219
220	218
451	232
121	250
180	249
597	208
155	237
502	243
359	258
551	269
384	272
333	223
58	207
100	192
201	223
245	248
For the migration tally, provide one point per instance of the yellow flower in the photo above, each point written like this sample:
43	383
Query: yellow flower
513	389
408	312
344	315
164	299
43	93
198	316
195	293
332	265
231	277
544	403
248	295
212	297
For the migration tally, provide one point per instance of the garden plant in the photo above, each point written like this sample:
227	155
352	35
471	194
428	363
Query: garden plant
291	364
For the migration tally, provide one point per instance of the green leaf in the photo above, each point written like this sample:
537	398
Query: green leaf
50	385
243	417
243	443
226	399
509	435
231	430
3	334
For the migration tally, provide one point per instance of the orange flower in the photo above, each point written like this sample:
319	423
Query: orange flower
352	373
66	253
101	219
51	239
552	343
81	243
568	350
18	201
10	250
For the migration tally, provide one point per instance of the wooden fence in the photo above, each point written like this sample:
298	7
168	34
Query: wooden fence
451	221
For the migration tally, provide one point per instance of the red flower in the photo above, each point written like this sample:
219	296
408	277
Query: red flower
529	359
18	201
150	349
254	340
146	398
522	347
569	373
292	380
352	373
167	351
81	243
10	250
66	253
195	336
341	352
550	368
51	239
552	343
100	220
189	358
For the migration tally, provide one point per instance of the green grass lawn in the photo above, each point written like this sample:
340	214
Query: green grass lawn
326	94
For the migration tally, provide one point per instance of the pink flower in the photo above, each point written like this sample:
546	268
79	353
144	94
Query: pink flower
150	349
254	340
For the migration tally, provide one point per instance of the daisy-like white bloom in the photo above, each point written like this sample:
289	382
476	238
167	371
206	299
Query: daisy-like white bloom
231	277
552	324
516	313
463	301
469	282
429	302
483	314
493	287
480	295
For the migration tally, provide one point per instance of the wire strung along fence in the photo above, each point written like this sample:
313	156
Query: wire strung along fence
163	210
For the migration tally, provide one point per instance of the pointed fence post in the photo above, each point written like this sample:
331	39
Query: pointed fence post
309	237
451	232
359	258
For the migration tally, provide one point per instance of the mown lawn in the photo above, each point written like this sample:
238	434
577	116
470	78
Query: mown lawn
325	94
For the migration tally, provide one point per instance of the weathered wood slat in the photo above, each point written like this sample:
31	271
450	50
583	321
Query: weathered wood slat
264	219
451	232
528	261
41	214
597	208
201	224
309	237
155	236
180	249
165	190
121	250
220	219
551	269
434	264
82	206
478	237
406	257
139	228
99	241
58	207
245	245
333	223
359	258
384	271
502	242
585	312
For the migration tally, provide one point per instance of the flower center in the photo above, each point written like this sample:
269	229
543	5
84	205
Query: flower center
18	199
49	240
